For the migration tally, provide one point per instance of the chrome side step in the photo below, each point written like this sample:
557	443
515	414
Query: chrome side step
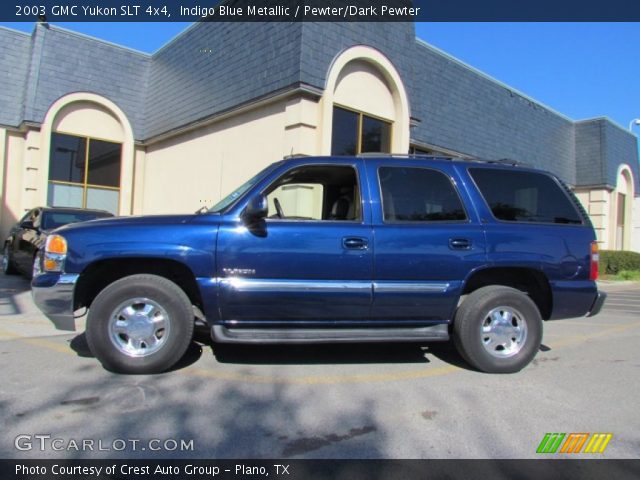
329	335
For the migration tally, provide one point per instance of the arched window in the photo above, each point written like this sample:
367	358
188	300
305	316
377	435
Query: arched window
84	172
85	157
365	106
622	216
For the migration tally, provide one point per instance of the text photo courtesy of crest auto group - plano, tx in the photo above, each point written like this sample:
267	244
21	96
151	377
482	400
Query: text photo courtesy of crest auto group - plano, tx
308	239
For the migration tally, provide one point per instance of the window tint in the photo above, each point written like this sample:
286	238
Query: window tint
68	155
515	196
316	192
355	132
418	195
104	163
344	139
376	135
84	172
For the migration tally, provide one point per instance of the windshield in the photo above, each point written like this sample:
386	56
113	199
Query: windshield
237	193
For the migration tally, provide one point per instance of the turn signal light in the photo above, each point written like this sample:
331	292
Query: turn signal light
56	244
595	259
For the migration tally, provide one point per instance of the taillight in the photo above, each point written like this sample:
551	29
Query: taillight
595	257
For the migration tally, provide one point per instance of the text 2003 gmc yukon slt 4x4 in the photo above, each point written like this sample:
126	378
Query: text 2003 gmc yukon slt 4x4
338	249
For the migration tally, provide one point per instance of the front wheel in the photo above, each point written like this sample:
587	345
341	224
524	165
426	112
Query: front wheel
498	329
140	324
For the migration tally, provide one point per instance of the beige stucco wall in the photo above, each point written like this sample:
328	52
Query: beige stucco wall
601	204
3	152
635	231
90	120
198	168
362	87
597	203
13	187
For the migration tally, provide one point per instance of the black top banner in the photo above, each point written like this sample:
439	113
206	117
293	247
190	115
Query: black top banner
318	10
319	469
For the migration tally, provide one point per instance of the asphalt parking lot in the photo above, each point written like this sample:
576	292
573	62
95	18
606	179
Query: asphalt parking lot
348	401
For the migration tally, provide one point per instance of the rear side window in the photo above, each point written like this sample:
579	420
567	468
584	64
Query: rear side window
418	195
515	196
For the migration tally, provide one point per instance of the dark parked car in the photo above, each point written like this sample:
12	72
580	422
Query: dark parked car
28	236
336	249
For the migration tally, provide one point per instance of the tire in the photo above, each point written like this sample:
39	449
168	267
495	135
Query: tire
498	329
8	267
140	324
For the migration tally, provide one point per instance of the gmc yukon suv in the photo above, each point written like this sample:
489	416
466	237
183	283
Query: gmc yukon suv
335	249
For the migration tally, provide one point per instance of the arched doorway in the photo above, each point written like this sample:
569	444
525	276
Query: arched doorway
624	194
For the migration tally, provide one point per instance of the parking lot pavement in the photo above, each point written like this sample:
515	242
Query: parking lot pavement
325	401
622	298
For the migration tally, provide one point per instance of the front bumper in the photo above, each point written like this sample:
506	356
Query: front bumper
597	304
53	294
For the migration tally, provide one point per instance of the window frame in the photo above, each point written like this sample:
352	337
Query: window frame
85	185
553	178
453	184
354	167
361	114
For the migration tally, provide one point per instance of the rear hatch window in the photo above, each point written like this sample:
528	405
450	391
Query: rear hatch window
520	196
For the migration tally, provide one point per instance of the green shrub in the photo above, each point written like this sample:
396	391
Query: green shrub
629	275
614	261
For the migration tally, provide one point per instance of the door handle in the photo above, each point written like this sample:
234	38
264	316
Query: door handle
460	244
355	243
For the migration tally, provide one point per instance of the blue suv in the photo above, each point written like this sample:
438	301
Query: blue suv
335	249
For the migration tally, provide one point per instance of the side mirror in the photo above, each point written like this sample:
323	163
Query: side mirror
256	209
27	224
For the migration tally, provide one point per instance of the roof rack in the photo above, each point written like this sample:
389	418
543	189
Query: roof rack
504	161
405	155
499	161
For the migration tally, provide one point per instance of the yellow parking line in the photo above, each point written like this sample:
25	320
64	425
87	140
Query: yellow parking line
321	379
586	323
575	339
37	342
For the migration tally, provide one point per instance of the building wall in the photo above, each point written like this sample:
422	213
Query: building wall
198	168
14	61
222	100
635	232
213	66
601	148
463	110
64	62
598	204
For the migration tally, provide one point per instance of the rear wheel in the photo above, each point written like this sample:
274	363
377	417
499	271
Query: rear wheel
140	324
8	267
498	329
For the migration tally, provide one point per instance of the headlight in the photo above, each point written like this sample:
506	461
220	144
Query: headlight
55	252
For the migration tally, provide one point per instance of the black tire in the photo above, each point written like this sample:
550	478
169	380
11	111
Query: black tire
8	267
115	350
505	341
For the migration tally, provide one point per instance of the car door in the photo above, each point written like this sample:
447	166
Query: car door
310	261
24	240
427	240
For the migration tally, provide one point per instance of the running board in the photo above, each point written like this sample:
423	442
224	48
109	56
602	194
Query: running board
329	335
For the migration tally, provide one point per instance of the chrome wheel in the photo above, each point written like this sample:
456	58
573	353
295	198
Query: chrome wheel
139	327
503	332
